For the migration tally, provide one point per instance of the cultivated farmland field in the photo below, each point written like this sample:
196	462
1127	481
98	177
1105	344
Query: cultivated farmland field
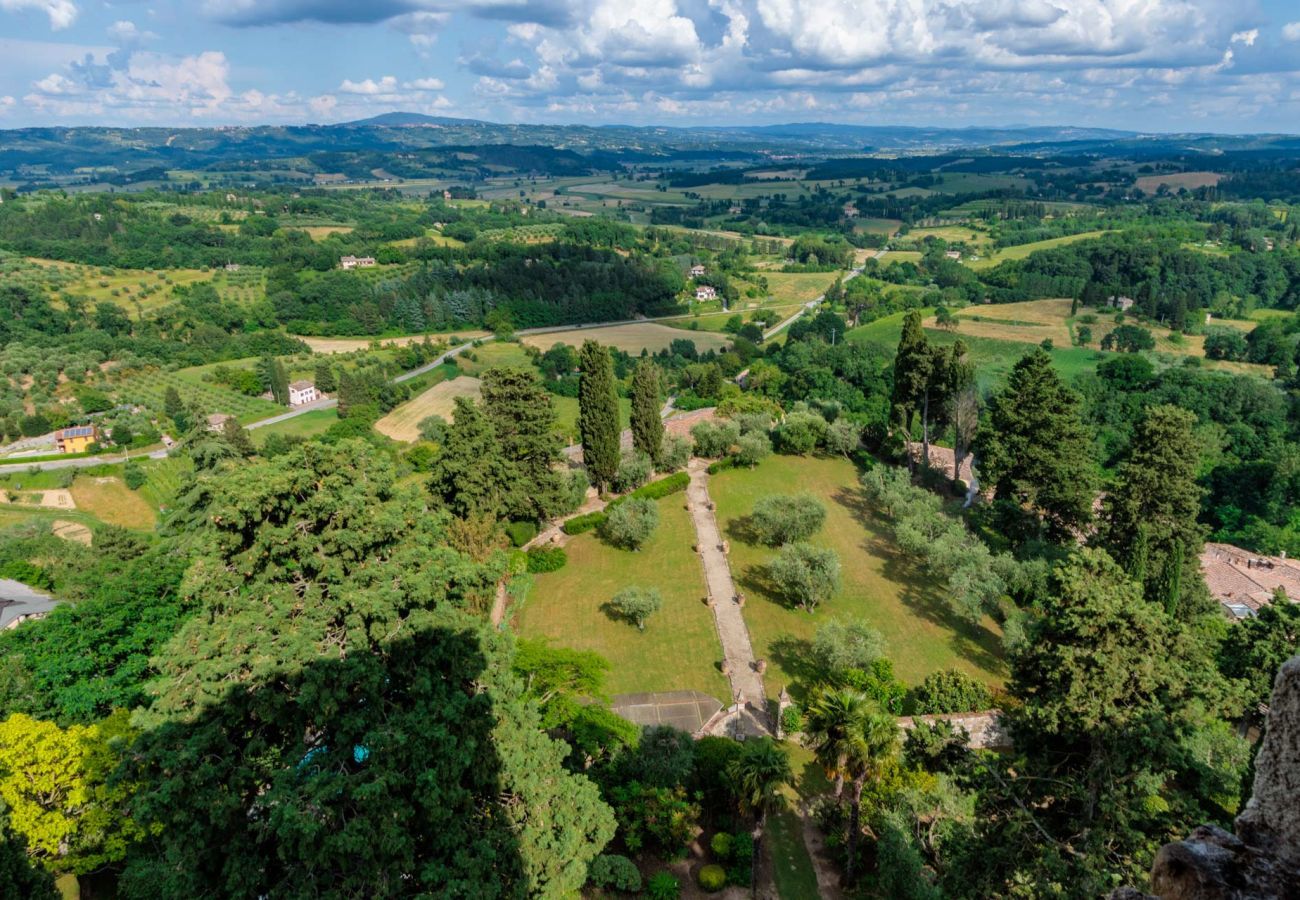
402	424
1020	251
348	345
633	338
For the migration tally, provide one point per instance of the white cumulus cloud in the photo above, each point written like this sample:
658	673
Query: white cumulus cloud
369	87
62	13
1291	31
425	84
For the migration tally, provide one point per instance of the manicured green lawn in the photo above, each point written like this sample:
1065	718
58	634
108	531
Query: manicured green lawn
679	648
792	868
878	584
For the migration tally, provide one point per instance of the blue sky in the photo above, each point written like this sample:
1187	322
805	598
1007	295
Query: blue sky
1157	65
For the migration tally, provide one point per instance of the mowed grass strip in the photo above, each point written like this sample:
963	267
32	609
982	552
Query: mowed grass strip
799	287
878	585
402	424
632	338
679	648
108	499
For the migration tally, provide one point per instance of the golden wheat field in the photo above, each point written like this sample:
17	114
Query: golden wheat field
403	423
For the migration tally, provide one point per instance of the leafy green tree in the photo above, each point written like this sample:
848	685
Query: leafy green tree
658	819
334	627
801	433
1034	449
784	518
630	523
237	437
326	380
806	574
636	604
1111	696
614	872
471	476
1255	648
715	439
523	420
598	414
55	784
1150	517
838	647
647	425
86	659
753	448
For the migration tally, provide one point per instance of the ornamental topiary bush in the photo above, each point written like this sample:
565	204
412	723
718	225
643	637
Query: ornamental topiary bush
712	878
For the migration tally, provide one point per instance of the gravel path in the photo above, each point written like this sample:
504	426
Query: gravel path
737	650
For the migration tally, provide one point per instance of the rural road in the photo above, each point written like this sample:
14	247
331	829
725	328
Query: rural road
813	303
79	463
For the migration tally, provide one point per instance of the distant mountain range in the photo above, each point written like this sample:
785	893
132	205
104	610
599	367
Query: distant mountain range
571	147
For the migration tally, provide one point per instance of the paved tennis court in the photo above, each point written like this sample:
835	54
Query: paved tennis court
687	710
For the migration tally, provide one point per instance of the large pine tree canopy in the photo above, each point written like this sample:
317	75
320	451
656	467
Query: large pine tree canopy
332	721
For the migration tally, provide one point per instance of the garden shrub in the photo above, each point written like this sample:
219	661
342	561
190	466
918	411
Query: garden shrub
663	886
722	465
951	692
712	878
721	845
521	533
714	440
741	870
546	559
134	476
801	433
609	870
633	472
791	720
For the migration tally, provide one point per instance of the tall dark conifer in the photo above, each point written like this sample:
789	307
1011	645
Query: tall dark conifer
598	413
523	417
647	426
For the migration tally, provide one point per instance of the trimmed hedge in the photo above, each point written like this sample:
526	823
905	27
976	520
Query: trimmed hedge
546	559
521	533
721	465
712	878
655	490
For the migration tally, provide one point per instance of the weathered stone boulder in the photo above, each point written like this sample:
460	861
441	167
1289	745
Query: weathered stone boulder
1262	860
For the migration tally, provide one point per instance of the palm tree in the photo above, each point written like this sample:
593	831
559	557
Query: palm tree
757	776
873	742
833	721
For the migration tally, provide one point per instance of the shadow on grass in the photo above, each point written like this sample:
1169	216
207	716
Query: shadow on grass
794	656
756	580
741	529
919	591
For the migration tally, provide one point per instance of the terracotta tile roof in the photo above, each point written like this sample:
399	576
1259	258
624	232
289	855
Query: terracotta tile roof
1241	579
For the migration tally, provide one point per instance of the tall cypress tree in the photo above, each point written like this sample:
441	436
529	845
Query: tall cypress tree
913	372
279	383
647	426
598	413
523	417
1034	448
1157	496
471	475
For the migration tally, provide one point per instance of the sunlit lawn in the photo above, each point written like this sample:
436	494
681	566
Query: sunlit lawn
679	648
878	584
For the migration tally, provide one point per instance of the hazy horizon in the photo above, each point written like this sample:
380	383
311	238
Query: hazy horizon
1152	66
